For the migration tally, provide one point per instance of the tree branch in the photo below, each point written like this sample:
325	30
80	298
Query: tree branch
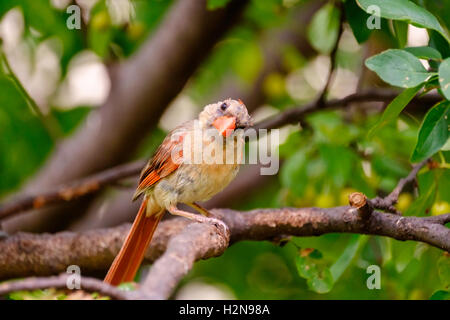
195	242
295	115
72	191
389	201
93	251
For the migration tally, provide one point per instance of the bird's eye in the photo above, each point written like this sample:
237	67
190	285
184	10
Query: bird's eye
223	106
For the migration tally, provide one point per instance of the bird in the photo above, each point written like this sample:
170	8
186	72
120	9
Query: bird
171	177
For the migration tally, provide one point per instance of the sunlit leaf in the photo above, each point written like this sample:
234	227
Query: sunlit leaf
444	77
404	10
424	52
343	262
398	68
324	28
318	276
394	109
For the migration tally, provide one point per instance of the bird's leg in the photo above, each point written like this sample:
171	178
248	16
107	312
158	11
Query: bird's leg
198	218
199	208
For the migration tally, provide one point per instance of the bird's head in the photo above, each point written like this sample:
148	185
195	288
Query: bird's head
226	116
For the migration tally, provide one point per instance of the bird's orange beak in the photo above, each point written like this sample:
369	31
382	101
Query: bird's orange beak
225	125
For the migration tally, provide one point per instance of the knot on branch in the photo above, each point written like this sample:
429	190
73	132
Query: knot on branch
360	202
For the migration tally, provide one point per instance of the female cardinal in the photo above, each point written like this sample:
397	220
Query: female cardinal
171	177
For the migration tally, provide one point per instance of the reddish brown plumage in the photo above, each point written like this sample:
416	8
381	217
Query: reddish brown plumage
132	253
162	164
128	260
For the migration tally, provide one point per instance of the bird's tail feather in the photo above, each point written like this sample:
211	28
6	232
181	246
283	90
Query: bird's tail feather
127	262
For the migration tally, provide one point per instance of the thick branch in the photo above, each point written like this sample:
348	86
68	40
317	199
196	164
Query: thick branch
195	242
27	254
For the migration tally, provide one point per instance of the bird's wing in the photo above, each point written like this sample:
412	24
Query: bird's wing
166	160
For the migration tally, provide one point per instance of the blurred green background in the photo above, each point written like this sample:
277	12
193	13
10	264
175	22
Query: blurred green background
66	73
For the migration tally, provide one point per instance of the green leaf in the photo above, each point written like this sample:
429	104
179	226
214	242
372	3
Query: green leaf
407	11
433	133
398	68
446	146
403	254
323	29
424	52
438	42
401	32
342	263
386	165
440	295
444	77
216	4
322	283
394	108
318	276
31	140
357	19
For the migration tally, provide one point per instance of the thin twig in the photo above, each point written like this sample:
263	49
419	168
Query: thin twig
387	203
321	100
72	191
296	114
